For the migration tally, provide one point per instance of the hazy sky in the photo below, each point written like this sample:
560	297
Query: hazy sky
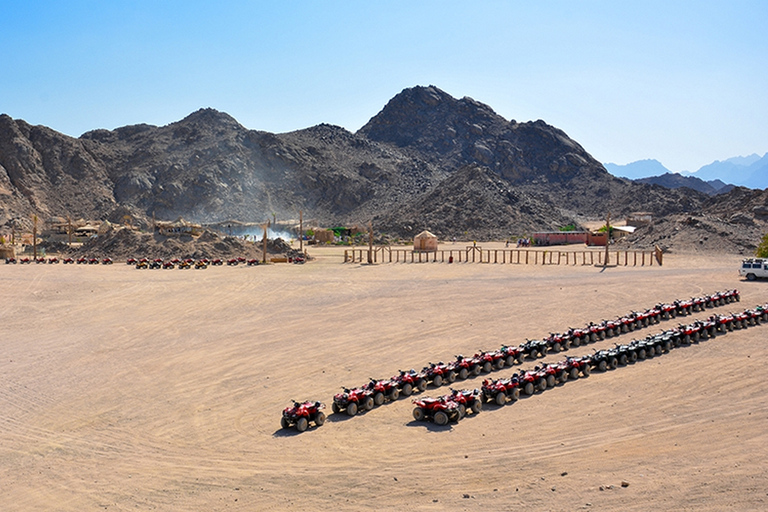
684	82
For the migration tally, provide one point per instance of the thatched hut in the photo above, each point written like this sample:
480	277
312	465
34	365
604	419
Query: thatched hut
425	242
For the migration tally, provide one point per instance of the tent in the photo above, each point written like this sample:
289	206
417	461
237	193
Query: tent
425	242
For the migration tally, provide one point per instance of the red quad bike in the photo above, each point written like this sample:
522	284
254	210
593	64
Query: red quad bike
383	389
763	310
68	261
689	333
512	354
240	259
438	374
93	261
40	260
53	260
300	414
82	260
699	303
557	342
529	381
596	331
578	337
10	260
25	260
740	320
107	261
755	316
216	261
667	311
131	261
438	410
468	400
463	367
408	381
714	300
252	262
723	323
498	390
549	374
684	307
352	401
576	365
232	262
168	264
491	360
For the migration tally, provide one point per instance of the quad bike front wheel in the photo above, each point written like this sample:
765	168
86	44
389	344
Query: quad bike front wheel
395	394
529	388
320	419
285	423
477	406
463	373
500	399
336	408
302	424
351	409
514	395
368	404
407	389
378	398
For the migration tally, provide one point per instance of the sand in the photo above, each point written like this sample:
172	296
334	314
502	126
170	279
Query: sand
123	389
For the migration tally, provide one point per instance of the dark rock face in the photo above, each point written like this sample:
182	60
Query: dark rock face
426	161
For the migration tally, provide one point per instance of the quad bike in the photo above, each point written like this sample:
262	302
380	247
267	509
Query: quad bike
68	261
232	262
576	366
107	261
534	348
468	400
512	354
491	360
596	331
253	262
352	401
156	264
557	342
200	264
529	381
683	307
723	323
498	390
142	265
10	260
93	261
463	367
602	360
383	389
168	264
667	311
131	261
53	260
438	373
300	414
185	264
408	381
439	410
40	260
577	337
216	261
82	260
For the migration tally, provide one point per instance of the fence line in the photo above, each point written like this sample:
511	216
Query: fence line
474	254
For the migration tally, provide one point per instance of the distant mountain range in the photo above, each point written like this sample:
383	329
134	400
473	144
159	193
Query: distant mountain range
745	171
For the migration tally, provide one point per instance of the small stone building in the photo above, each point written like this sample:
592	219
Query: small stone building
425	242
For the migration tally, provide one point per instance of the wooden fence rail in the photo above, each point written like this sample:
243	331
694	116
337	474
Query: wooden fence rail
473	254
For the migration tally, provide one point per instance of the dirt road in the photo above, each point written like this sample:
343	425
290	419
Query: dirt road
125	389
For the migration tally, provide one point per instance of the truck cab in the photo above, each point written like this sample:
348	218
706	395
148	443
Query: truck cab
752	268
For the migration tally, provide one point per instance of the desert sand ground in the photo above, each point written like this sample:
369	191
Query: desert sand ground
123	389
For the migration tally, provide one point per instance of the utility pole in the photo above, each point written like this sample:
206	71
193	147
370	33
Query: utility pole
69	230
264	256
301	231
34	236
607	237
370	242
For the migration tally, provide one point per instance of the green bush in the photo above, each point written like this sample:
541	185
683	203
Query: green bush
762	249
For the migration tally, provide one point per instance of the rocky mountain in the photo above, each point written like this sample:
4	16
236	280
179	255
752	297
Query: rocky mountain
426	161
637	170
750	171
674	180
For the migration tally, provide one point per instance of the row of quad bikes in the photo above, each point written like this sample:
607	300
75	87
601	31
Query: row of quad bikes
454	406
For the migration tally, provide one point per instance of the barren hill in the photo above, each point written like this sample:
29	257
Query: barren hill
426	161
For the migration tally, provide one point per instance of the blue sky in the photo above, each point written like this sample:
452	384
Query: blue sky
684	82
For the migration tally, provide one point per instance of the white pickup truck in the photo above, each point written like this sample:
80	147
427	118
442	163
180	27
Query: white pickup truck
752	268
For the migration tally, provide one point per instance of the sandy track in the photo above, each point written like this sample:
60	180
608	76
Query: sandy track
123	389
